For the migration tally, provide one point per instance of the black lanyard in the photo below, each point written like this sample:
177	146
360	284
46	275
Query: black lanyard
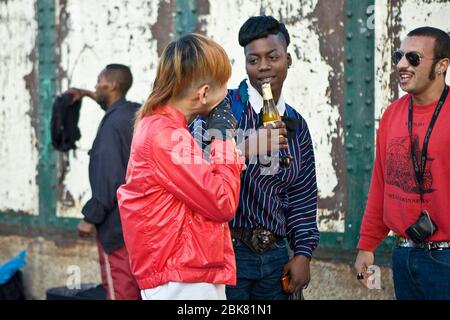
420	171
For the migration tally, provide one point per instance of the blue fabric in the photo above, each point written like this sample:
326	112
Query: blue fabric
239	97
9	268
421	274
259	276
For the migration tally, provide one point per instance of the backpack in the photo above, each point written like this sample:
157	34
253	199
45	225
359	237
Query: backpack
64	123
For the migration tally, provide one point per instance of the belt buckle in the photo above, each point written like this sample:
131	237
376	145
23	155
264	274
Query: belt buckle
257	239
262	240
404	242
401	241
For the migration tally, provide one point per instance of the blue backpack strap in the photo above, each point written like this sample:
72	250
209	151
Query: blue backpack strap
239	98
291	113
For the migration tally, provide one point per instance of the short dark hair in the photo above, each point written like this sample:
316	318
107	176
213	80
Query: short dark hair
260	27
121	74
441	41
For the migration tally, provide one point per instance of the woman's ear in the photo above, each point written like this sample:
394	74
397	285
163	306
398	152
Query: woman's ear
202	93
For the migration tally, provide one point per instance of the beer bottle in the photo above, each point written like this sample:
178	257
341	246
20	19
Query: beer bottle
270	114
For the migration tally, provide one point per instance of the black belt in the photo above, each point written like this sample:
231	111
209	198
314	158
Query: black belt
403	242
259	240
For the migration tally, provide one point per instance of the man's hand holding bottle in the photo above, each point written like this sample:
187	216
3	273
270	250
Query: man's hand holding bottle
265	140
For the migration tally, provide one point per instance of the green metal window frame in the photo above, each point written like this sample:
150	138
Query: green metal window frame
358	120
186	16
46	178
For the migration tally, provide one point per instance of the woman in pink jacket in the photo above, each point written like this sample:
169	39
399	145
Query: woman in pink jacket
175	204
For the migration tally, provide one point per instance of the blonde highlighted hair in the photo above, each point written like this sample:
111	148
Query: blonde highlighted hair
186	63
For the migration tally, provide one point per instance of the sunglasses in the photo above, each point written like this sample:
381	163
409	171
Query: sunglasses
414	58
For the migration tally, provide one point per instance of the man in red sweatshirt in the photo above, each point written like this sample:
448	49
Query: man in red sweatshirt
410	188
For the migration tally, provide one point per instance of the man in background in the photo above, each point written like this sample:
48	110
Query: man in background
107	167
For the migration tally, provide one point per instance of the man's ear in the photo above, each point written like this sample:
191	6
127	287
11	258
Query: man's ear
202	93
443	65
113	86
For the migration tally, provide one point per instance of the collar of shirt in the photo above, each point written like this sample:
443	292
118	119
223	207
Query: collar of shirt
116	105
256	100
174	114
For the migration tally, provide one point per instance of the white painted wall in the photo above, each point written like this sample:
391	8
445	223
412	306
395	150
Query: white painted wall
18	147
91	44
99	32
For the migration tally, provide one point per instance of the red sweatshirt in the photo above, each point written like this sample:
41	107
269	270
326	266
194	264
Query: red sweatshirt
394	202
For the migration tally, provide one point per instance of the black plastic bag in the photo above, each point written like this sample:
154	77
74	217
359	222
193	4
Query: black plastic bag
13	289
87	291
64	123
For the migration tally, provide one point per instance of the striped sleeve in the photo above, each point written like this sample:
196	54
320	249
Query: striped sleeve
301	225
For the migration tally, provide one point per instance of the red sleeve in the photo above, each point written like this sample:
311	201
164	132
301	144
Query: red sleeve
373	230
210	188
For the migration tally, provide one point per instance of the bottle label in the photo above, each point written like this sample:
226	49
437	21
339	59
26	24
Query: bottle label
265	123
267	91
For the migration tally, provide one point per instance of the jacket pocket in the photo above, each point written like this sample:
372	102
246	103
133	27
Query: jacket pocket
205	243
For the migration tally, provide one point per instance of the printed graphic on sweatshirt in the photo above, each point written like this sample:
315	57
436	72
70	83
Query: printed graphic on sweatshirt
399	166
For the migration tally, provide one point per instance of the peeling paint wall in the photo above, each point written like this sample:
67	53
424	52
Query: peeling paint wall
393	20
18	107
92	35
314	85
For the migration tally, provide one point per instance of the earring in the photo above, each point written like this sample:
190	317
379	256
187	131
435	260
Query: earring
439	72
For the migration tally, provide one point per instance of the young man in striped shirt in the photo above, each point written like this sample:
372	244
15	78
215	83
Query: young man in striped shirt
282	204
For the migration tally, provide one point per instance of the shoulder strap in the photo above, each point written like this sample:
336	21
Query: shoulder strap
291	113
239	98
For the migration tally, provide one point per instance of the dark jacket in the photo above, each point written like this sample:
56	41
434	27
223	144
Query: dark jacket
64	122
107	167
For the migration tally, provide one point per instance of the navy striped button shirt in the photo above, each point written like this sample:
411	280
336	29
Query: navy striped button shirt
286	202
